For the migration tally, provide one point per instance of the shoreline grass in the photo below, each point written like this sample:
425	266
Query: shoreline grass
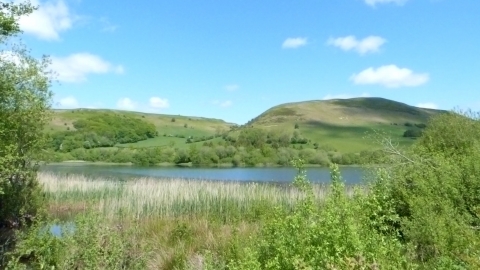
172	222
153	197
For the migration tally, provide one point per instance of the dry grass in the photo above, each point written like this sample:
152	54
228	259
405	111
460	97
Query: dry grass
148	197
175	220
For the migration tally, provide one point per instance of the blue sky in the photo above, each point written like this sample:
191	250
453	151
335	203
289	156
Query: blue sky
235	59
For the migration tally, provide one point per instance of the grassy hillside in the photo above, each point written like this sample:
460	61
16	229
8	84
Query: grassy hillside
342	123
320	131
169	131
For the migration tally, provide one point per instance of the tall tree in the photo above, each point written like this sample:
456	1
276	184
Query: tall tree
25	101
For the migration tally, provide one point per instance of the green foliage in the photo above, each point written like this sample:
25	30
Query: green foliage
334	236
413	133
252	137
105	130
112	129
24	111
9	15
433	195
89	242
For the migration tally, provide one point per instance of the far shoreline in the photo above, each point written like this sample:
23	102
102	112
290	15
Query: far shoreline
186	165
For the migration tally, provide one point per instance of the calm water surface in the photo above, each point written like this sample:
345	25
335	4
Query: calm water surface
351	175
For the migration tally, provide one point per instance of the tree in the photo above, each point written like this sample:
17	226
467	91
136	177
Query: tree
433	189
24	110
412	133
252	137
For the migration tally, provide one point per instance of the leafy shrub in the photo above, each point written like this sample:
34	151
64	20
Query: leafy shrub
334	236
116	128
435	191
87	243
413	133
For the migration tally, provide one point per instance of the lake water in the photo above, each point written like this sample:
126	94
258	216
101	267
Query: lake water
351	175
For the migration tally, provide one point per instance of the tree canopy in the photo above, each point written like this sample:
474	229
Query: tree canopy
25	101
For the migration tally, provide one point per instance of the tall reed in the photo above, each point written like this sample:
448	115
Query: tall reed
150	197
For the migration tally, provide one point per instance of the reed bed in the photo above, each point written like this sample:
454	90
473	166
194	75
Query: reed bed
151	197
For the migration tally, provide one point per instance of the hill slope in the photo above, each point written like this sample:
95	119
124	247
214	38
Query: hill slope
171	128
345	112
342	123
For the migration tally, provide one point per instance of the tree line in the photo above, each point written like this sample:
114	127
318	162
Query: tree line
104	130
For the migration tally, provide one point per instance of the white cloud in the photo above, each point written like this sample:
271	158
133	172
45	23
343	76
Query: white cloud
428	105
74	68
68	102
390	76
226	103
48	20
373	3
12	58
369	44
96	105
158	103
232	87
126	104
293	43
223	104
107	26
344	96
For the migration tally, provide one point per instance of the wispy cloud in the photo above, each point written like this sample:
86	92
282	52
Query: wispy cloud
68	102
107	26
390	76
427	105
369	44
344	96
76	67
293	43
223	104
232	87
158	103
48	20
226	103
126	104
373	3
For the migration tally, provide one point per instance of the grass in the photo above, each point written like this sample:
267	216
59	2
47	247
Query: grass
148	197
174	221
341	124
196	126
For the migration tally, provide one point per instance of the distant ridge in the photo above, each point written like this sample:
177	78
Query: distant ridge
354	111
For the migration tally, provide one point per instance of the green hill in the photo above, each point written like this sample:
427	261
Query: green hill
170	128
319	131
342	123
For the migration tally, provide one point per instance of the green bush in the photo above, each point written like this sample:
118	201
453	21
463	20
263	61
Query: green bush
89	242
24	111
413	133
335	236
435	192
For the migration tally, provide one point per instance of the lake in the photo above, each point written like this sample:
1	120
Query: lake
351	175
